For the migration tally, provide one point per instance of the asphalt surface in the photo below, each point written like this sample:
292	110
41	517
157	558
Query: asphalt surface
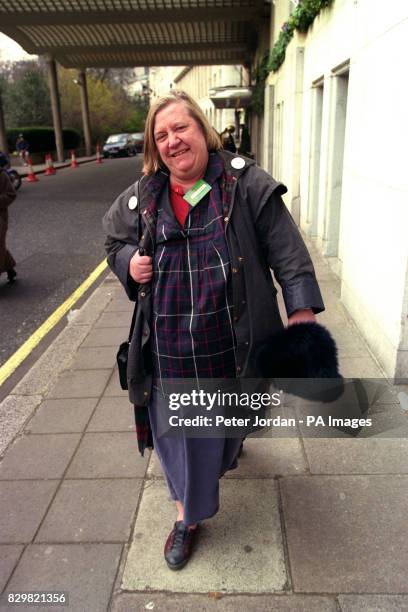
56	237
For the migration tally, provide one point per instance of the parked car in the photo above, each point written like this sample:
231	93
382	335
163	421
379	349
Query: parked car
119	144
138	137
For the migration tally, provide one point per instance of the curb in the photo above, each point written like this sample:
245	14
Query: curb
67	164
22	401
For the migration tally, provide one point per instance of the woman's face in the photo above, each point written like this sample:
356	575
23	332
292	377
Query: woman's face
180	142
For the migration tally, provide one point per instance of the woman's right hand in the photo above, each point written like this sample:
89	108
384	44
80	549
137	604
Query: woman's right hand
141	268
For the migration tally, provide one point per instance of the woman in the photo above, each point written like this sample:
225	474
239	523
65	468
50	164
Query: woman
200	274
7	195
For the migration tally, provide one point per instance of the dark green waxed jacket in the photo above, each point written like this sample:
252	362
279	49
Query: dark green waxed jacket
261	236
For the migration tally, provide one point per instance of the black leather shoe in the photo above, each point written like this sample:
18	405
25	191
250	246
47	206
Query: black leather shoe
179	545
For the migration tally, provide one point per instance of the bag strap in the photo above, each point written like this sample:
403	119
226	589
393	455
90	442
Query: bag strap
137	193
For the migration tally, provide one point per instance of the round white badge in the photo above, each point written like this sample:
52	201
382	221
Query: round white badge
132	203
237	163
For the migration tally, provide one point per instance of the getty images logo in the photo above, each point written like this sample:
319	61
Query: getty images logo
403	400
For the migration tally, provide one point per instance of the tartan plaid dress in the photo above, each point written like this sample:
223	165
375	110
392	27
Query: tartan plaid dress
193	337
192	311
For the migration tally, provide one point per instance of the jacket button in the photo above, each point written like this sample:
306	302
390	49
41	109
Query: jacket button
142	294
235	270
239	369
226	219
243	302
145	393
247	343
240	259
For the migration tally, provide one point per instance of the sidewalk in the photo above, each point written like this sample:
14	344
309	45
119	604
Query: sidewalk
305	524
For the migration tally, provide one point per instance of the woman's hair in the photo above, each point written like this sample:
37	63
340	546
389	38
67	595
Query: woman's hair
152	159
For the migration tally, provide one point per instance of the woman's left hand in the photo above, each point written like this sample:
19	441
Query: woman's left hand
302	316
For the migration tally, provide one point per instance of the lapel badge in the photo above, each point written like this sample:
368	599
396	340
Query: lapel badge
237	163
132	203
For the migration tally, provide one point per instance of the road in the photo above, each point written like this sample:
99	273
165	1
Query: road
56	237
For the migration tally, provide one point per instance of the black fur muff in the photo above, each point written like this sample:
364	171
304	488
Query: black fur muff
302	350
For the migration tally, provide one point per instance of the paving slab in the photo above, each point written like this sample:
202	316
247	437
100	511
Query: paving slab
113	388
120	318
359	367
57	358
346	336
62	416
215	602
357	456
240	548
95	358
22	507
347	534
373	603
14	412
113	414
9	555
36	456
85	571
120	304
106	336
80	383
91	511
93	307
108	455
269	457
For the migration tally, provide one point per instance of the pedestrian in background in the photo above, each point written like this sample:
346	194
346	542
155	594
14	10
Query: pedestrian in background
193	242
7	196
22	148
227	139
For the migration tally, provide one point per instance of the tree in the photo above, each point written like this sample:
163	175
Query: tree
137	120
26	96
110	107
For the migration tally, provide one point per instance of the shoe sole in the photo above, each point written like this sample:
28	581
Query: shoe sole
179	566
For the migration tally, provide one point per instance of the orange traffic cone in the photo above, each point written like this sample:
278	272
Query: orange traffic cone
31	177
74	163
98	155
50	170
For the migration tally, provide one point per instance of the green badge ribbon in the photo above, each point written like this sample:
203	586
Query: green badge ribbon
197	192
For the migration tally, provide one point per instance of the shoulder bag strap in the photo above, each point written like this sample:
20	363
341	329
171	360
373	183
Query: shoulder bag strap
137	193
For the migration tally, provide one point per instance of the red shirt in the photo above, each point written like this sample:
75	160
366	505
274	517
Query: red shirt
180	207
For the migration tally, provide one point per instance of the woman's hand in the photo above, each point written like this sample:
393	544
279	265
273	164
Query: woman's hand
302	316
141	268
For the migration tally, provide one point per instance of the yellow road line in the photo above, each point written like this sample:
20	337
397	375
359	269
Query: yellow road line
25	349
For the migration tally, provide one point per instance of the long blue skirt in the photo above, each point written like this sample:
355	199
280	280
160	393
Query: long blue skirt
192	466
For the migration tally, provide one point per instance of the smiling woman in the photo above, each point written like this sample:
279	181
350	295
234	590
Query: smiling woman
194	254
181	145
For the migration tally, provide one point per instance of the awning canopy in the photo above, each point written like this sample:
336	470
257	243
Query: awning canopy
230	97
114	33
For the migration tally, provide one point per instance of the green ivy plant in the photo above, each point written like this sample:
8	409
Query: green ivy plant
301	19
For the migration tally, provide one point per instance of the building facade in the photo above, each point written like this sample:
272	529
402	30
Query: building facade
335	133
199	82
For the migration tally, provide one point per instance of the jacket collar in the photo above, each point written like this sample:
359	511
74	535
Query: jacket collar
228	159
151	185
